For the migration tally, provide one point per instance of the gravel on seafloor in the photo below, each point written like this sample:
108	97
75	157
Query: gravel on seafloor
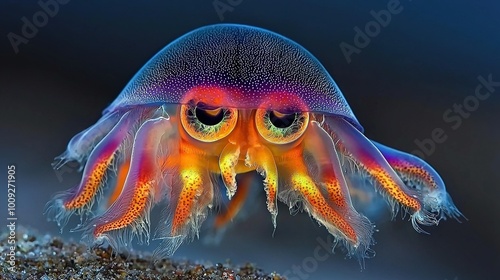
47	257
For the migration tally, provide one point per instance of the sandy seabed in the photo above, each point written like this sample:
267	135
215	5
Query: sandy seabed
47	257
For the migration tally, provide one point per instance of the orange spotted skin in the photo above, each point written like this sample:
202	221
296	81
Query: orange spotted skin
135	210
191	186
210	111
417	172
335	193
227	163
308	189
393	189
137	199
386	182
306	167
140	186
92	183
262	160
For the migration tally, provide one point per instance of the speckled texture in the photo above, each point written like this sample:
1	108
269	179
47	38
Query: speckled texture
248	63
47	257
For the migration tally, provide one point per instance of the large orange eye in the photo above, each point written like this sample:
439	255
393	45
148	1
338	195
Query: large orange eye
206	123
281	128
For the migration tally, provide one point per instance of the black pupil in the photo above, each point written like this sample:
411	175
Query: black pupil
282	120
209	117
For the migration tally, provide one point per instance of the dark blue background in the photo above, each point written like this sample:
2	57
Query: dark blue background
427	59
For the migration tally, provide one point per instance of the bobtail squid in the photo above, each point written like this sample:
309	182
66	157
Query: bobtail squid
227	100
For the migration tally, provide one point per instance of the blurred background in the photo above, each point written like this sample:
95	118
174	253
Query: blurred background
401	78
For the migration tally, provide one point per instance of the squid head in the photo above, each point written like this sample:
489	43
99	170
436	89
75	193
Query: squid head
228	100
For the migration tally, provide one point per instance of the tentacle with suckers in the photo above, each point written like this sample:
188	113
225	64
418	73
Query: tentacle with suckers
81	198
128	216
424	180
371	163
191	197
314	179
